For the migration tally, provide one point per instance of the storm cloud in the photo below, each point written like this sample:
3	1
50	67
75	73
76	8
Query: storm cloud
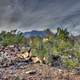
40	14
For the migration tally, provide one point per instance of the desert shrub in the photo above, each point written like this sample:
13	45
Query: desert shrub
17	78
40	53
7	38
70	64
55	60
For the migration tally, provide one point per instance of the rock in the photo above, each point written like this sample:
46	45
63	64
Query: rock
36	60
23	55
31	72
77	70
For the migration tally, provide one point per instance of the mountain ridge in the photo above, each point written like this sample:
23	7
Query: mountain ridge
35	33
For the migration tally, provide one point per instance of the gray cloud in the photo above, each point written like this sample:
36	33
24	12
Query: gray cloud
39	14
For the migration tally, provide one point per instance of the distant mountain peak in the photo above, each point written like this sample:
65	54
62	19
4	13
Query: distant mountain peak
35	33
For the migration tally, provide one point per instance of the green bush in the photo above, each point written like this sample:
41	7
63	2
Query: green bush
70	64
7	38
17	78
60	44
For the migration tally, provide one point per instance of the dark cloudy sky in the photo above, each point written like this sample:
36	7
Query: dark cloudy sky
39	14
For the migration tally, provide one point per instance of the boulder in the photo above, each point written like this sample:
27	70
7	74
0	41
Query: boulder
36	59
24	55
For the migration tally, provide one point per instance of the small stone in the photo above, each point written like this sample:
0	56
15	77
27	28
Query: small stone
31	72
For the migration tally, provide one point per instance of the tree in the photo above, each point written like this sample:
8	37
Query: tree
20	39
62	34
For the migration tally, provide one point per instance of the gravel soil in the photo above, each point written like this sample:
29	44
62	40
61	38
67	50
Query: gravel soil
23	71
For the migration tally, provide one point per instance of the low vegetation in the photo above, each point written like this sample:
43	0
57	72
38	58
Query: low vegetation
60	49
